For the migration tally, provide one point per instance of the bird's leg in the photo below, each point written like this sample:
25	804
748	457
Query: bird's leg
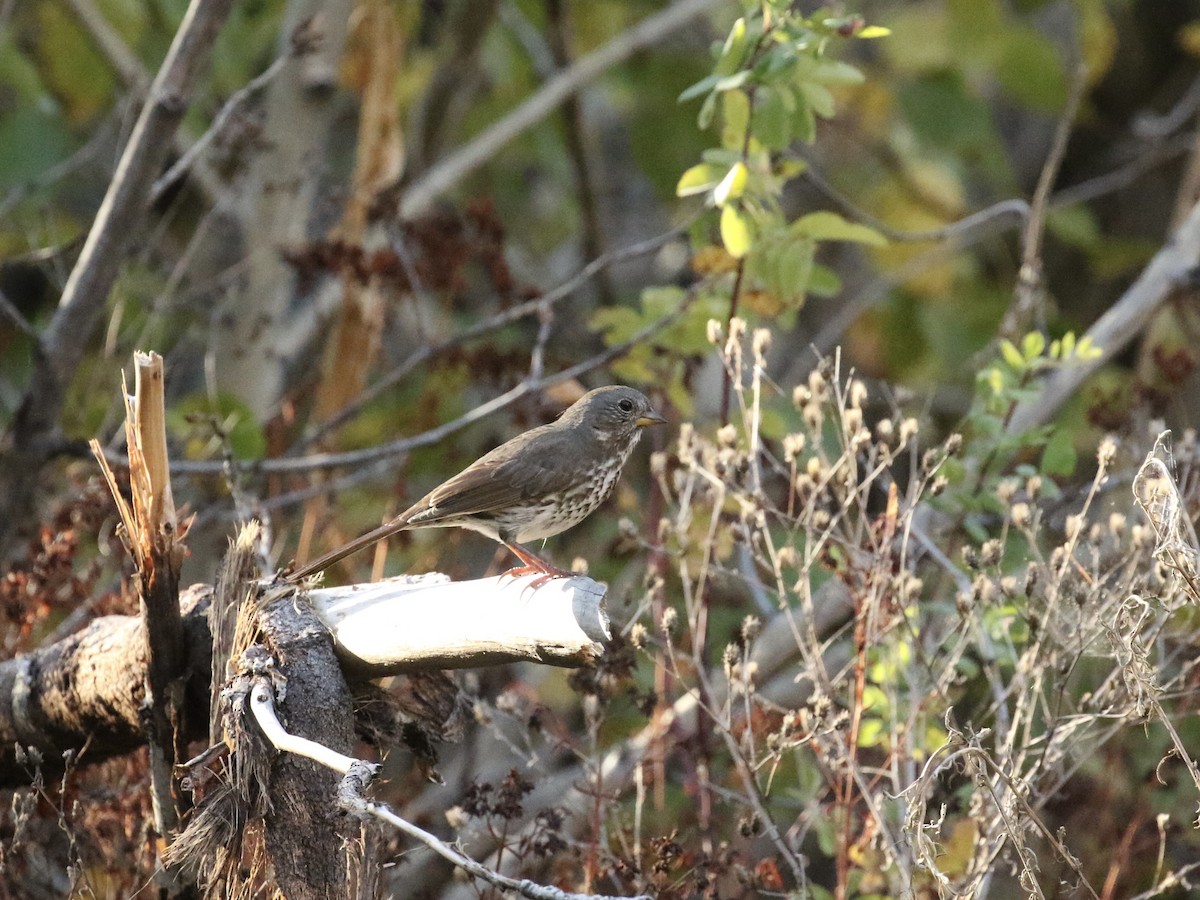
534	564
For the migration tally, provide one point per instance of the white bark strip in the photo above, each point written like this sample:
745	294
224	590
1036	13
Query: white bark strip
430	622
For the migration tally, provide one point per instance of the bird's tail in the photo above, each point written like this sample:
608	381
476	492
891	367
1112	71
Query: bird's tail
386	530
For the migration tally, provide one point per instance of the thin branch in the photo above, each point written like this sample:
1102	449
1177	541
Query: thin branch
360	774
9	310
470	156
117	222
397	448
486	327
1171	267
236	100
523	886
1028	302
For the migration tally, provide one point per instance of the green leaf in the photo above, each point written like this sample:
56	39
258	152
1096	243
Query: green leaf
732	82
616	323
734	50
772	118
819	99
707	110
703	86
735	231
1012	356
873	31
735	119
1033	345
1059	456
794	269
699	179
1031	70
1075	226
835	72
804	120
660	301
829	226
824	282
732	185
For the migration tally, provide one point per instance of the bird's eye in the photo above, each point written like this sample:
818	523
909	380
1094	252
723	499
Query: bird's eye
626	405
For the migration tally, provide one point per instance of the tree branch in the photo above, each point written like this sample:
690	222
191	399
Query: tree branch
1171	267
473	154
117	221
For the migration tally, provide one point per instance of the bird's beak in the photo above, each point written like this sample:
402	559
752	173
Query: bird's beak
650	418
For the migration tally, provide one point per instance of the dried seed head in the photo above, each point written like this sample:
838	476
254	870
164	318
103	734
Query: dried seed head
638	635
751	626
1020	514
658	463
715	332
1141	536
817	385
938	485
1074	527
687	436
730	657
852	418
793	446
1106	451
1033	486
814	467
737	329
800	395
762	342
884	430
669	619
727	435
857	394
1117	523
1006	490
909	429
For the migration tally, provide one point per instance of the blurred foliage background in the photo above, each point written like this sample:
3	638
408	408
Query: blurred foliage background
306	303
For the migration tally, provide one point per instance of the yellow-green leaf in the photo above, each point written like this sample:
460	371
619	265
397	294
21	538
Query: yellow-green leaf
735	119
829	226
735	231
873	31
1012	355
734	49
699	179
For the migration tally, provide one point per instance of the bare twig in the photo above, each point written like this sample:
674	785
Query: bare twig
397	448
236	100
262	705
450	171
494	323
83	299
1027	304
1171	267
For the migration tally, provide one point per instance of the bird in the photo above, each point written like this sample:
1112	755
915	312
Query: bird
534	486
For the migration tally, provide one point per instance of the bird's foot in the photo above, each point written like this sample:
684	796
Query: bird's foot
544	573
532	564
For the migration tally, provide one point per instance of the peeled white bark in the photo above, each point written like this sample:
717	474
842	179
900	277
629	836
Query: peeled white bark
430	622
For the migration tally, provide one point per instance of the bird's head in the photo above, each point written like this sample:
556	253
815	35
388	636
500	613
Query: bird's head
615	413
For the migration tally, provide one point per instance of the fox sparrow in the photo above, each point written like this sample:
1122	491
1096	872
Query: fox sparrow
536	485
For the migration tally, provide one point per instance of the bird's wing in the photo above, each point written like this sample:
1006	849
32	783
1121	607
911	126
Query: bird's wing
534	464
